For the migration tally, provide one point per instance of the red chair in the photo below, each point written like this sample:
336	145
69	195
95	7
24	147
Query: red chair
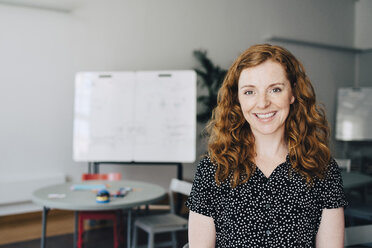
107	176
101	215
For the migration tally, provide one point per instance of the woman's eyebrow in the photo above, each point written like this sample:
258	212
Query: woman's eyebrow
276	84
253	86
247	86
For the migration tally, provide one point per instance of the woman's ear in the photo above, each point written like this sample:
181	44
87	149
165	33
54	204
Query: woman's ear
292	97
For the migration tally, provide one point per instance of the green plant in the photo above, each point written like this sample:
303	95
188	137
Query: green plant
210	77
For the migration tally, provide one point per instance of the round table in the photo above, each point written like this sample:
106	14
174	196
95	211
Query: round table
61	196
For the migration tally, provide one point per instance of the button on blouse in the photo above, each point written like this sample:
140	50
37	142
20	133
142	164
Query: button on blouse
278	211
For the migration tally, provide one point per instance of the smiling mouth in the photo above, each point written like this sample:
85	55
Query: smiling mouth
265	116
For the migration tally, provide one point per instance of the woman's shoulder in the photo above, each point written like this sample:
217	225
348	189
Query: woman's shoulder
332	173
331	187
206	166
332	169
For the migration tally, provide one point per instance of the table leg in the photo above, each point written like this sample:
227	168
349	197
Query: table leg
76	229
43	226
129	227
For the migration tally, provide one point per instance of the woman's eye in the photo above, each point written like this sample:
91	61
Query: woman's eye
248	92
276	90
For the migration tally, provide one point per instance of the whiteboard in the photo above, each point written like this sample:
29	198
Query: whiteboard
143	116
354	114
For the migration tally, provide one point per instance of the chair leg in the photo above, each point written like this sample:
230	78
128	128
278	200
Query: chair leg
134	239
121	225
174	240
80	232
151	241
115	230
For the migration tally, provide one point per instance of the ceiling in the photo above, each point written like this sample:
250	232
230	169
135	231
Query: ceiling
54	5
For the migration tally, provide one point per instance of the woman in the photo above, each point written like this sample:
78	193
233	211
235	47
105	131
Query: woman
268	179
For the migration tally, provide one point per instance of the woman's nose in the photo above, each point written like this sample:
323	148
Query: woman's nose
263	101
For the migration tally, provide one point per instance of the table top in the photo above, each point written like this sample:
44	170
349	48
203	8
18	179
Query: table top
355	179
85	200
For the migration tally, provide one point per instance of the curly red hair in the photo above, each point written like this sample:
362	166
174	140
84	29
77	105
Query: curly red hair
231	144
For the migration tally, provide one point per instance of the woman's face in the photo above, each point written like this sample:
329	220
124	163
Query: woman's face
265	96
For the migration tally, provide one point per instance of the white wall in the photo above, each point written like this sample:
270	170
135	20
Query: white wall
365	65
42	50
363	27
363	39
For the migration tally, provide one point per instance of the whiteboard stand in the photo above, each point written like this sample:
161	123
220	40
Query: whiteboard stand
93	167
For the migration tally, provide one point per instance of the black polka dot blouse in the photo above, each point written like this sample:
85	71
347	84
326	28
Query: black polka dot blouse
278	211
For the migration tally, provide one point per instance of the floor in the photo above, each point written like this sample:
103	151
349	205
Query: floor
23	227
23	231
96	238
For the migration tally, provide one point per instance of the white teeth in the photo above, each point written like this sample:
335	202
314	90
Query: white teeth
263	116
